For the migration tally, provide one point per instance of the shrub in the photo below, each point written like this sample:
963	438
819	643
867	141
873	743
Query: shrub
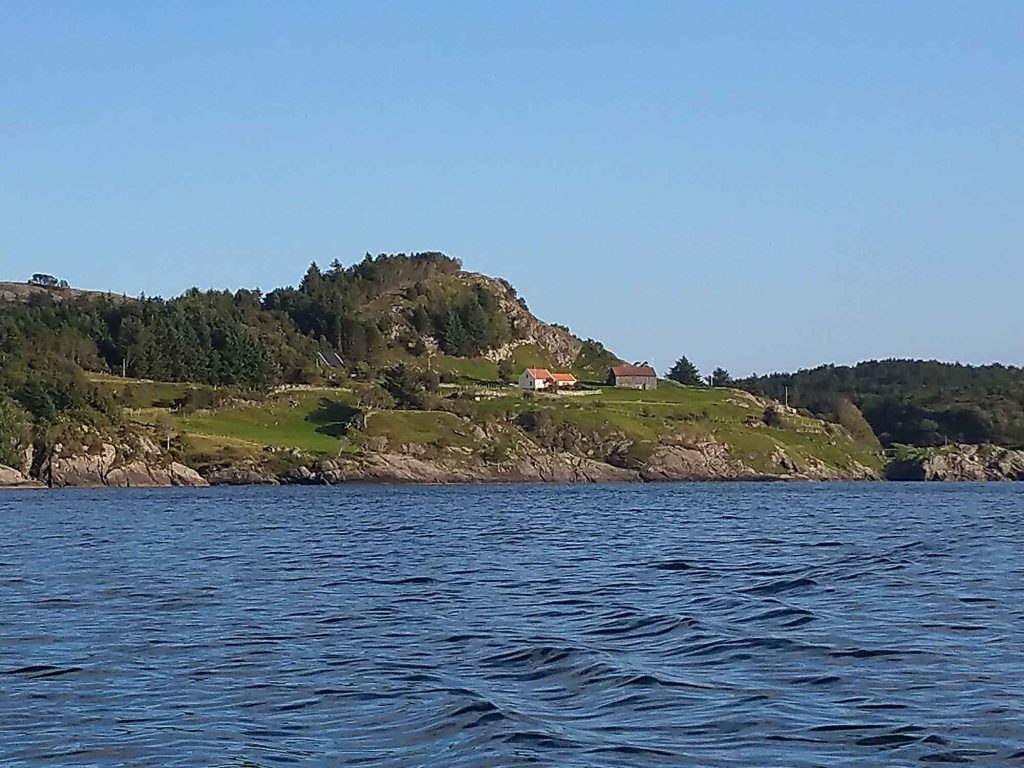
14	432
772	417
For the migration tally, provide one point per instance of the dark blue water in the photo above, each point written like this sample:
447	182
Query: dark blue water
704	625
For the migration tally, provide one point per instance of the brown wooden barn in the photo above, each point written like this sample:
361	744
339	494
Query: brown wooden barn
634	376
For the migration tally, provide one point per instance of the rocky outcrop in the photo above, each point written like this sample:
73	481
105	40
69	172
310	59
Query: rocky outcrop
240	476
963	463
710	460
704	461
139	474
138	464
557	341
12	478
405	468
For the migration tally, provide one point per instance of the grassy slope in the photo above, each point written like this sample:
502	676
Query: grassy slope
309	421
316	422
325	422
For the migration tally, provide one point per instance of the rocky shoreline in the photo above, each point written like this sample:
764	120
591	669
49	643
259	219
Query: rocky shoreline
143	465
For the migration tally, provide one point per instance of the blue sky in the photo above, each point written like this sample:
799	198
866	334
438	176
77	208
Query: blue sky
755	185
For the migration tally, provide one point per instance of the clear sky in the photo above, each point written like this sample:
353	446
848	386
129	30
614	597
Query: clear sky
758	185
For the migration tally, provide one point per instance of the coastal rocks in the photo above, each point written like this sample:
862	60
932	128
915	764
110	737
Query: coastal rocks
240	476
11	478
119	466
396	468
562	468
63	468
408	468
139	474
303	476
705	461
712	461
960	463
815	469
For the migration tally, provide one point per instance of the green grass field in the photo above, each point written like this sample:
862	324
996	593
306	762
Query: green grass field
472	369
434	428
310	421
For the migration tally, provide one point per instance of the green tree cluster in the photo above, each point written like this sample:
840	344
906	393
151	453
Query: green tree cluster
685	372
911	402
409	387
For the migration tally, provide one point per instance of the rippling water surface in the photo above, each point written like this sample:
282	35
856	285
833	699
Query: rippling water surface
705	625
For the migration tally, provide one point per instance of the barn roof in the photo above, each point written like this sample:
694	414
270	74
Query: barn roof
634	370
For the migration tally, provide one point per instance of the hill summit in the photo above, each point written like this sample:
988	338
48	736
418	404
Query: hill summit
421	308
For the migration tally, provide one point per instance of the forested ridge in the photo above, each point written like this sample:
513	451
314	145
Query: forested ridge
368	312
911	402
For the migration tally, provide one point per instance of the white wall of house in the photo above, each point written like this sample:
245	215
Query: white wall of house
527	381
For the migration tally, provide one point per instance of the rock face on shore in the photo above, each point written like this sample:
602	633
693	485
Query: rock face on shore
545	468
12	478
960	463
115	465
707	461
404	468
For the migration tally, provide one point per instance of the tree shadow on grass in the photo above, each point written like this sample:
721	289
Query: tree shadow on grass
332	417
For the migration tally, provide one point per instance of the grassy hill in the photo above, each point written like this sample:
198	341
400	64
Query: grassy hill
477	421
231	380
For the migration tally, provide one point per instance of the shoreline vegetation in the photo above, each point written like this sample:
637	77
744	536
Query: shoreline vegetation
402	369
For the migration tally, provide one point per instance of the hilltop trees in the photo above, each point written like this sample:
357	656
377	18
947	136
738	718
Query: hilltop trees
469	323
346	306
721	378
253	342
685	372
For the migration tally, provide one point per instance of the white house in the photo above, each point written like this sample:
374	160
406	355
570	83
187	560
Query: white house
534	379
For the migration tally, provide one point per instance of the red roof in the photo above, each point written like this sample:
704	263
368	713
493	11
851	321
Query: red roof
566	377
539	373
634	370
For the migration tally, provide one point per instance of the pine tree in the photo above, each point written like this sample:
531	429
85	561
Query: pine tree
685	372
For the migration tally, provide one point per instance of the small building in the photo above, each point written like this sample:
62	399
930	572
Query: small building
633	376
536	379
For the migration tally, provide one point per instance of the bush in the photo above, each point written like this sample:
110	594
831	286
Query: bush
772	417
15	433
850	417
507	370
199	399
410	387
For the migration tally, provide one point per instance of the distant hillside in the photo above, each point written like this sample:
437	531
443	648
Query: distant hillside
416	359
912	402
421	309
382	309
